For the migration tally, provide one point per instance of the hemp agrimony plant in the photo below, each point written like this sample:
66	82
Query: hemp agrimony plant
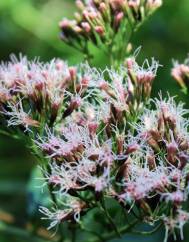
111	157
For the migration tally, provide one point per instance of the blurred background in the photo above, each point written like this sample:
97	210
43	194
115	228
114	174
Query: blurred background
31	27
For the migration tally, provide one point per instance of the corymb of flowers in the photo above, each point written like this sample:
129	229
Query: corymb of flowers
105	148
108	24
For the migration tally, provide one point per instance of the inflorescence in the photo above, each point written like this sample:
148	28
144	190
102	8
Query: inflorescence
101	137
107	24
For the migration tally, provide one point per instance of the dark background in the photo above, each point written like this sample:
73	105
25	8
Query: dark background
31	27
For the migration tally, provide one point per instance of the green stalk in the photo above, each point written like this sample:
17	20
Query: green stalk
53	198
146	233
122	230
103	207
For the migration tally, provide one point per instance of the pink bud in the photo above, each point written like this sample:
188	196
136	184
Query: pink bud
73	72
76	102
80	5
99	30
134	3
103	85
77	29
65	23
39	85
86	27
172	148
130	63
85	81
118	18
54	179
92	127
117	4
132	148
59	65
102	7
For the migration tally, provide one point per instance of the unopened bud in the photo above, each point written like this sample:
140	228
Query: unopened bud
65	23
59	65
132	148
80	5
151	161
172	149
77	29
130	63
73	72
117	4
153	143
78	16
102	7
118	18
86	27
99	30
120	143
74	104
134	3
184	145
85	81
92	126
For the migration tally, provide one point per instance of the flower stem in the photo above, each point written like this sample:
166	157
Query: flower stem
53	197
122	230
103	207
148	232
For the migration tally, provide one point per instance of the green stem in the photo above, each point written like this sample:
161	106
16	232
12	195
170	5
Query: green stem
53	197
87	57
148	232
122	230
103	207
73	232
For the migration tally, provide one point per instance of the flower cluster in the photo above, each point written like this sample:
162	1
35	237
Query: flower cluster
157	173
34	95
93	149
180	73
106	23
98	139
146	169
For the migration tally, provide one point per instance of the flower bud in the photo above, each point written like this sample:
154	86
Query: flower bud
172	149
151	161
74	104
86	27
117	4
102	7
132	148
119	16
80	5
100	30
130	63
73	72
120	144
92	126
